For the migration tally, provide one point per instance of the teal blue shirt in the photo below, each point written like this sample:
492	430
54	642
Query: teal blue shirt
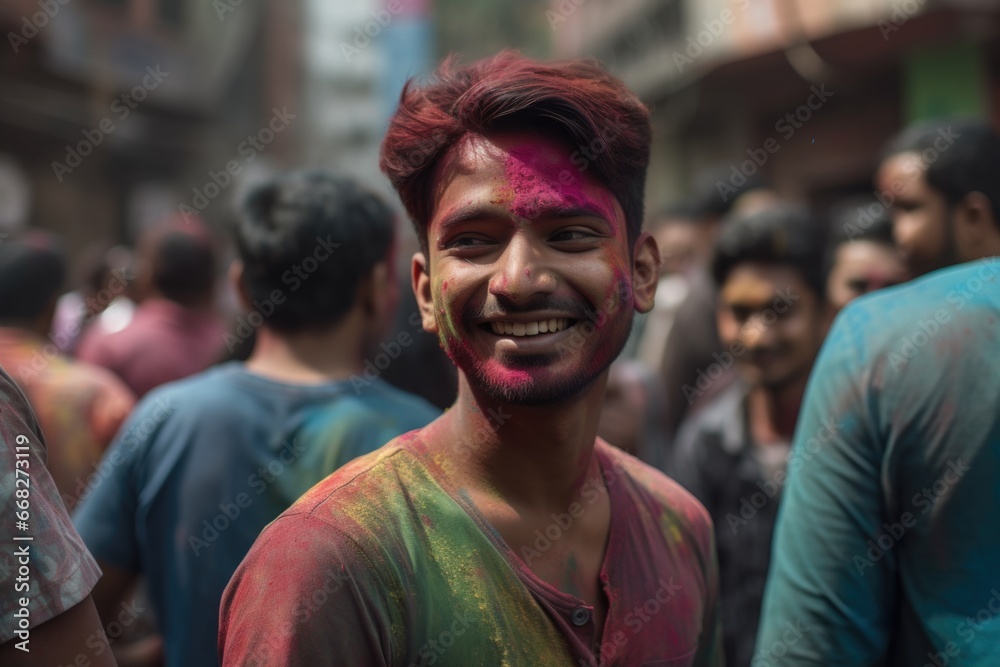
203	464
887	549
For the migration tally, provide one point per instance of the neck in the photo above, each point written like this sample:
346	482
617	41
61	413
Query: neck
307	357
774	410
532	456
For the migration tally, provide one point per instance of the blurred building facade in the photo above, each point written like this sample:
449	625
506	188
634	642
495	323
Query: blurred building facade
114	113
803	92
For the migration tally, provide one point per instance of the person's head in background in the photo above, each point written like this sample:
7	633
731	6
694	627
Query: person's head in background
677	237
176	260
943	181
717	199
33	270
315	260
772	317
861	254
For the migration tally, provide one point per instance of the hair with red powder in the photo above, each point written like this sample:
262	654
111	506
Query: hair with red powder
603	124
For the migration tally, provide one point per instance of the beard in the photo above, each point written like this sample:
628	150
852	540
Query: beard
523	380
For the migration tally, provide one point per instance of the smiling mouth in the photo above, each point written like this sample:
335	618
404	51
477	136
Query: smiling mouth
518	329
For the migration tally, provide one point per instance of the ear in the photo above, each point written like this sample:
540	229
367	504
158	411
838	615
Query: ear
645	272
420	275
975	225
235	277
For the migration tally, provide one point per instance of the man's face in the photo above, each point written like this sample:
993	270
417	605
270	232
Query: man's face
920	214
530	284
861	267
776	317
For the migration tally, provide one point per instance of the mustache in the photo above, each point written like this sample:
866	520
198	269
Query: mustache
494	309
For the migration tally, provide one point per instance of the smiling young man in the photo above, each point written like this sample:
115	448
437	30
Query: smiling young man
505	532
731	454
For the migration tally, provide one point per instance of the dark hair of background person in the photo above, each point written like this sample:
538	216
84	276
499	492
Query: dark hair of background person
782	235
851	220
33	271
183	267
970	164
600	121
283	221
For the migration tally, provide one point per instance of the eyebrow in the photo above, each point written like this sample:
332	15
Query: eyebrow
478	211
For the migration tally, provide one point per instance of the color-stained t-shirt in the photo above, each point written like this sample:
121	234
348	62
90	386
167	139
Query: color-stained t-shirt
387	563
80	406
887	548
202	465
163	342
52	571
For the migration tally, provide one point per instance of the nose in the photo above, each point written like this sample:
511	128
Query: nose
758	333
521	272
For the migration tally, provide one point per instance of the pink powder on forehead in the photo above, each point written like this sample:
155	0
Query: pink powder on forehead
540	178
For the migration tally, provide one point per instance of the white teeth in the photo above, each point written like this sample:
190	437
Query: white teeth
528	328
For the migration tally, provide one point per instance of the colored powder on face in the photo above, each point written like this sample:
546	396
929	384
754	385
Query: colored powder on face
542	177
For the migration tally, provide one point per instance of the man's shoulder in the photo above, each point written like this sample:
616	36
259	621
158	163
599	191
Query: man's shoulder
369	483
890	326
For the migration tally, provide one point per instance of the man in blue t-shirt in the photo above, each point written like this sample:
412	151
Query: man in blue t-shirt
203	464
886	547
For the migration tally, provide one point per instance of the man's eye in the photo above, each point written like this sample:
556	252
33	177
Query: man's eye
740	314
571	235
467	241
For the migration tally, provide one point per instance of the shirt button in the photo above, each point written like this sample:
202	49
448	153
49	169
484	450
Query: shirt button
580	616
